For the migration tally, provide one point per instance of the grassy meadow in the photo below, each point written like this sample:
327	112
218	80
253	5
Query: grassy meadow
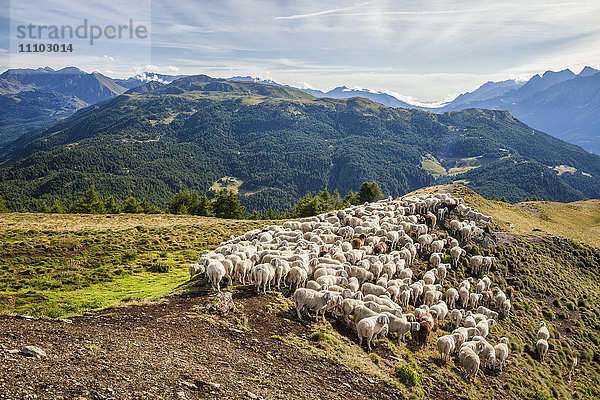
55	265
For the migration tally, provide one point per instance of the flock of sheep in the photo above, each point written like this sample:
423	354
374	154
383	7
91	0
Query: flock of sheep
361	264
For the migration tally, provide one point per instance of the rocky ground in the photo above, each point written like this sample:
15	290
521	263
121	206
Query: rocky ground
172	350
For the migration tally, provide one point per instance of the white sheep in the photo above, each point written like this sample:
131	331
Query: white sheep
542	347
297	278
451	297
370	327
502	352
463	292
319	272
332	280
314	285
195	269
263	276
400	325
437	246
370	288
353	284
405	297
361	311
446	345
487	354
241	269
435	259
215	271
348	306
475	264
487	312
456	317
543	332
484	326
383	300
455	254
311	300
439	311
431	297
469	361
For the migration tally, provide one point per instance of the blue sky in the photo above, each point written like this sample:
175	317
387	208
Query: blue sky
424	50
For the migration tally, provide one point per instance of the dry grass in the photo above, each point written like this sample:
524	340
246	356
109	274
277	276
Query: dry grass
103	222
579	220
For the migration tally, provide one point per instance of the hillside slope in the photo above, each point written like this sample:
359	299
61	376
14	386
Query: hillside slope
281	143
579	220
174	344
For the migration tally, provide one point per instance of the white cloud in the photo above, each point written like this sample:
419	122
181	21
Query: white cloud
319	13
420	51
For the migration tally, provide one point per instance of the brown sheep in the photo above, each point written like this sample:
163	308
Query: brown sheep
358	242
486	300
428	221
380	248
448	205
510	293
424	332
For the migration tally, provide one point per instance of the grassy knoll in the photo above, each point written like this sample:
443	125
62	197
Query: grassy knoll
56	265
579	220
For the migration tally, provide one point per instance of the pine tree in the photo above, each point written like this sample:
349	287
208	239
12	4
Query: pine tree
58	207
89	203
148	208
369	192
255	215
336	200
190	202
131	206
351	199
111	206
227	205
202	206
43	207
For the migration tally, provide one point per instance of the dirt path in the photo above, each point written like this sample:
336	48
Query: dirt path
165	351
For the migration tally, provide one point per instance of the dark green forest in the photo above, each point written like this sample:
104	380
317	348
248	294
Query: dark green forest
224	204
282	144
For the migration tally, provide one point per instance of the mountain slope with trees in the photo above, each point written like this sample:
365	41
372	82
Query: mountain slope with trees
281	144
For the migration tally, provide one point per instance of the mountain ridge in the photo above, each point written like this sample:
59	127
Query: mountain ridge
280	143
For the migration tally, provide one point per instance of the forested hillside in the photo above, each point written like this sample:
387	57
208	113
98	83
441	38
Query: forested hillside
277	144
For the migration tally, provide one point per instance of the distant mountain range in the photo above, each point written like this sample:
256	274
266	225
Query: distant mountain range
340	92
145	77
279	143
563	104
35	98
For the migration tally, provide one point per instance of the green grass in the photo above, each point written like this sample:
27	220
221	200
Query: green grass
433	166
61	265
